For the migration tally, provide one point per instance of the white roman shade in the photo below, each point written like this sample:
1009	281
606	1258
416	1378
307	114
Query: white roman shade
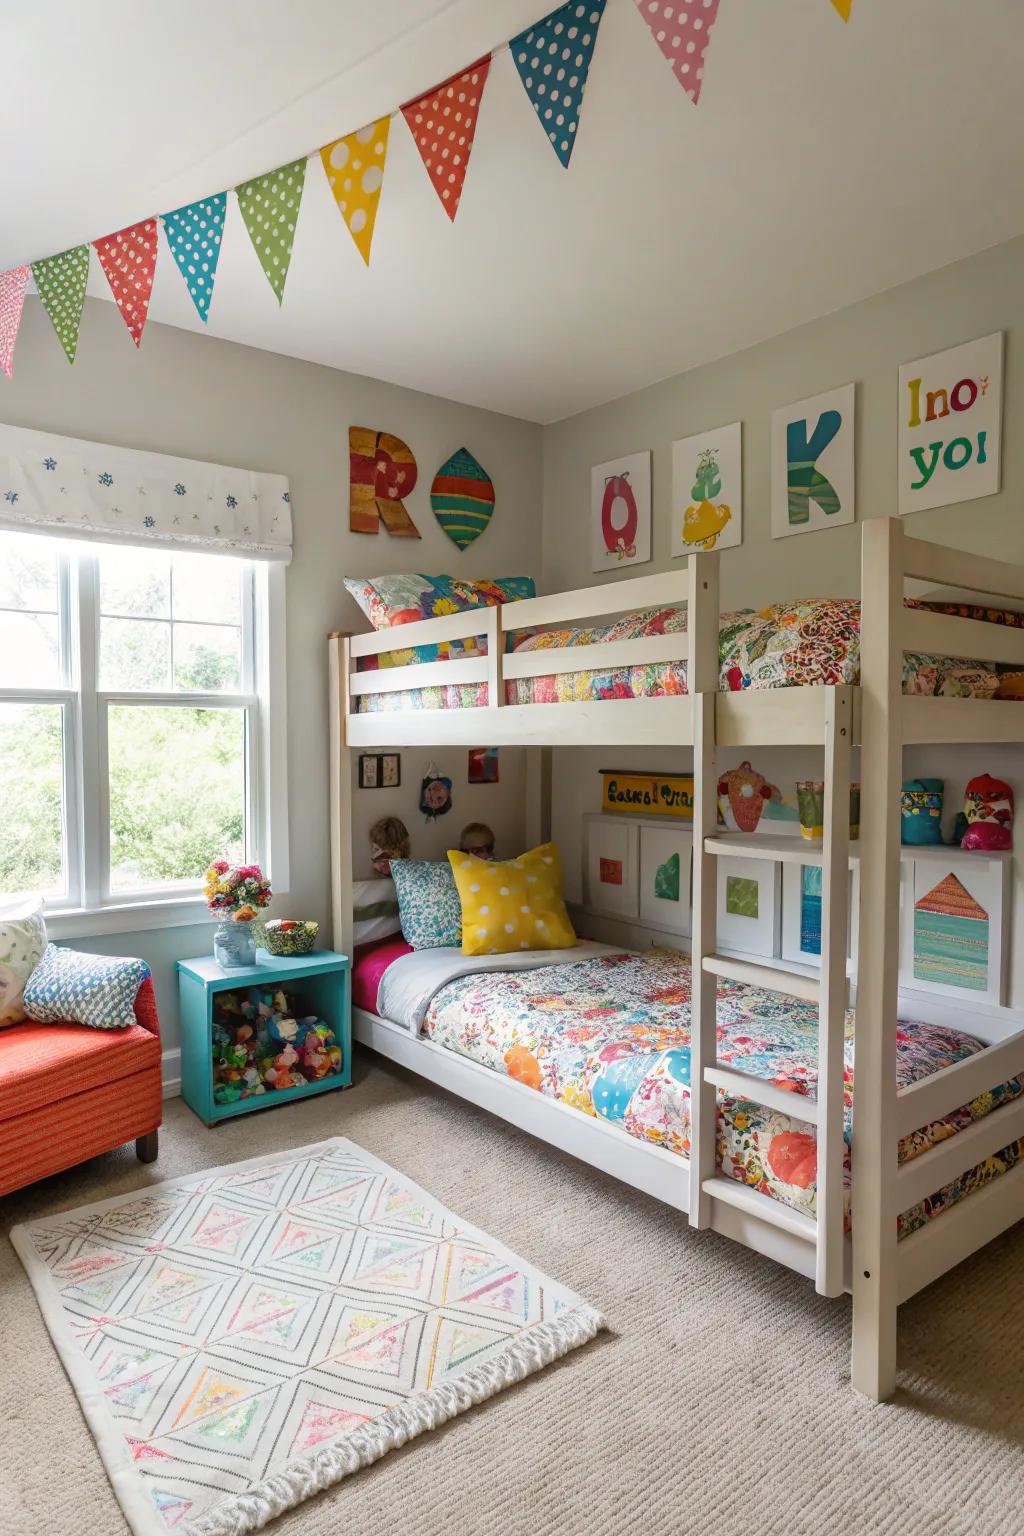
61	485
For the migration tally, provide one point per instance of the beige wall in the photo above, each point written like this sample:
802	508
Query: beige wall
208	399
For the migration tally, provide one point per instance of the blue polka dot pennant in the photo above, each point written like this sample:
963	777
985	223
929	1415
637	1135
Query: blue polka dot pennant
194	235
553	59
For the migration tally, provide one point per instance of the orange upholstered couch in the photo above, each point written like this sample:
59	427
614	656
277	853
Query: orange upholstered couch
69	1092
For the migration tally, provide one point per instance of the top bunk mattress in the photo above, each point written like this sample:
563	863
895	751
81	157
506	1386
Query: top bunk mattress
814	641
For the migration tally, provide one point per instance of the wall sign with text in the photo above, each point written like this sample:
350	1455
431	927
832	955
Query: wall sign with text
950	434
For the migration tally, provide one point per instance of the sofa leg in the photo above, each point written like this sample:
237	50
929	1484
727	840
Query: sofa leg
146	1147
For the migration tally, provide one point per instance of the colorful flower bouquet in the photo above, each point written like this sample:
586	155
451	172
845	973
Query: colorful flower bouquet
235	894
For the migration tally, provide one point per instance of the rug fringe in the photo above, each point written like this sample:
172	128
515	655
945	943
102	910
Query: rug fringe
307	1475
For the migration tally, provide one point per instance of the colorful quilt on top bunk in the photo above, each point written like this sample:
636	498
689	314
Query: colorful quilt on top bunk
610	1036
785	645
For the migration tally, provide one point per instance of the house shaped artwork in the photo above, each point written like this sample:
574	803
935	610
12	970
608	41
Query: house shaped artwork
951	937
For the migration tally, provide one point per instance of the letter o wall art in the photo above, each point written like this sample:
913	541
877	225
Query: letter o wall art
813	463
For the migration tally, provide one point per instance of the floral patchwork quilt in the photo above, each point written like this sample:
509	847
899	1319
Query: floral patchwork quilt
610	1036
781	646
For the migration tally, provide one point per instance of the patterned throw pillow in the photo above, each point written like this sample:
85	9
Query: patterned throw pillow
405	599
67	987
428	903
22	942
515	905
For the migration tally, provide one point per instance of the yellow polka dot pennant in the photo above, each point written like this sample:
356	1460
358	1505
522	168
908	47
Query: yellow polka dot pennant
61	283
354	166
270	208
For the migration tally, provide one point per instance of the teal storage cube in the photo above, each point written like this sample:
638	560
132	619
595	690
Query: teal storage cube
321	981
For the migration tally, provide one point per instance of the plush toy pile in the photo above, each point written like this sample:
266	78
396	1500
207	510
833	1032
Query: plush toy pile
259	1046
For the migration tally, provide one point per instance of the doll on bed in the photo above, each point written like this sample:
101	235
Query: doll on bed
389	839
478	839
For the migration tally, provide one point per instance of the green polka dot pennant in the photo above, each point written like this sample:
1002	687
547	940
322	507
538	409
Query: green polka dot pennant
270	208
61	283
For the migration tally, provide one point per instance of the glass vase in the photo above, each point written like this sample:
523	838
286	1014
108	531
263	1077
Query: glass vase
234	945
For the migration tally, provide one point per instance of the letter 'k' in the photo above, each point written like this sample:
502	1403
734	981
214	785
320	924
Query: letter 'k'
805	481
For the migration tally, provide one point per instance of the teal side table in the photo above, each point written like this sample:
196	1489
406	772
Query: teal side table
324	983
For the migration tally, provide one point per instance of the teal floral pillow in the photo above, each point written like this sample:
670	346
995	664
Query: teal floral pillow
428	903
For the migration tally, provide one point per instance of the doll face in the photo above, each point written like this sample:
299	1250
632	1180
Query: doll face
480	849
381	858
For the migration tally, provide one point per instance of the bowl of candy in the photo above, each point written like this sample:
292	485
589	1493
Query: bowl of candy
287	936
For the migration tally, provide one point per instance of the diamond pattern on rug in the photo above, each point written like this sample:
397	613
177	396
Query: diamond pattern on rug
245	1337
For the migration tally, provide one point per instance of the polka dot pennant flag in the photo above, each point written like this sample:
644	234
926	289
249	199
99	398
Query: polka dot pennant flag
681	29
270	208
194	235
844	7
443	123
12	302
61	282
553	59
129	260
462	497
354	167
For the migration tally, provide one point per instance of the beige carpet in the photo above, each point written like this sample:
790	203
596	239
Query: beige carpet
718	1403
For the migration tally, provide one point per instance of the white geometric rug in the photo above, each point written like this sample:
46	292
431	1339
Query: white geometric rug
243	1338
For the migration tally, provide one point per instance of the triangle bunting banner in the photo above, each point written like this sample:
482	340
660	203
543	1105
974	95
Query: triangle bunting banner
270	208
128	259
443	124
681	30
354	166
12	302
844	7
194	235
61	282
553	59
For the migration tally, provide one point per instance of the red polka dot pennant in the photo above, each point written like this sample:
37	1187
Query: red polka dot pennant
12	302
681	29
129	260
443	123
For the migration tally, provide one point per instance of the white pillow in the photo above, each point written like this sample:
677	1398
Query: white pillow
22	942
374	910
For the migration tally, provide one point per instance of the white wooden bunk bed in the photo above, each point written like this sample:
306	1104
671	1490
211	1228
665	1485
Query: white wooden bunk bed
876	716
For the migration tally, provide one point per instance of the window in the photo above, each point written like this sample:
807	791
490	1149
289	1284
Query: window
135	690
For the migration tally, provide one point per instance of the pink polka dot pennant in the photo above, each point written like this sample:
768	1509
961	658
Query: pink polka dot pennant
681	29
443	124
12	302
128	259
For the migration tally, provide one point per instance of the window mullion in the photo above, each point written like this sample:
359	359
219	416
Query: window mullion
92	792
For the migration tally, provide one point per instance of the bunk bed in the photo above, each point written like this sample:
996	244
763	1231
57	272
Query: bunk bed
873	713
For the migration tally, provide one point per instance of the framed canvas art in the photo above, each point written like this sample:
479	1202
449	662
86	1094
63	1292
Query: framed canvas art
707	490
813	463
954	924
620	512
801	913
748	905
666	860
950	425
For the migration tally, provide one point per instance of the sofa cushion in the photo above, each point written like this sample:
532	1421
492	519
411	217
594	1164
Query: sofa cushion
43	1062
98	990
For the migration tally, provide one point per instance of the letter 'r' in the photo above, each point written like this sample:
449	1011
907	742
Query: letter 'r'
805	482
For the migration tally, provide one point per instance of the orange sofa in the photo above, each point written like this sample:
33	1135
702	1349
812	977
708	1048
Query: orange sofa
69	1092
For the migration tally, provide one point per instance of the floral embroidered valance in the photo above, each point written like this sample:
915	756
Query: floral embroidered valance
61	485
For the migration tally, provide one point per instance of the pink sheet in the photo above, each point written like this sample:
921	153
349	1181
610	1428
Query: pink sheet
371	961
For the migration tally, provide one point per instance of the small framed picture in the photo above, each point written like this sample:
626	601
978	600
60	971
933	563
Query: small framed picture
368	771
391	770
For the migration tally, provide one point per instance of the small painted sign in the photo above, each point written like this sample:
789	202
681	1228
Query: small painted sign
950	433
647	794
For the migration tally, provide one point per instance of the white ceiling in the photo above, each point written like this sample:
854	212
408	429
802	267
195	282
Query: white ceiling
824	163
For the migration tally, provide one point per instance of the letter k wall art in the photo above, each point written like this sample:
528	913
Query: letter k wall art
812	463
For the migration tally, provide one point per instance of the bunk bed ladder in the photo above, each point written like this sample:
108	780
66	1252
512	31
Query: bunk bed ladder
828	990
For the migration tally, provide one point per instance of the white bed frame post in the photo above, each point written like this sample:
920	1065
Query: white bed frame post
340	665
875	1139
702	684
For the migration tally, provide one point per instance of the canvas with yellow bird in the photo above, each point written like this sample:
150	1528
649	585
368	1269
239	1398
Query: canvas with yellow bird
704	521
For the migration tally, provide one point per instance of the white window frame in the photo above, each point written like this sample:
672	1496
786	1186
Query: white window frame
89	905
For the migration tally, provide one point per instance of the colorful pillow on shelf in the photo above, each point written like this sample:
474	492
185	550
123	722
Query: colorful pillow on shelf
22	942
68	987
428	903
512	905
405	599
374	911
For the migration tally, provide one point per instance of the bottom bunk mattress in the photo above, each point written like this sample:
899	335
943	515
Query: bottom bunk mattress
609	1035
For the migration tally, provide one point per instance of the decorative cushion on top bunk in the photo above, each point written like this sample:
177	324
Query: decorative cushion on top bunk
513	905
428	903
405	599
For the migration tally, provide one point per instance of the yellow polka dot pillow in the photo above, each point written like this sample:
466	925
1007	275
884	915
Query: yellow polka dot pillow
514	905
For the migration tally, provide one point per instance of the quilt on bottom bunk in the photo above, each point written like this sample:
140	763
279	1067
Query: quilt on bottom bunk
610	1036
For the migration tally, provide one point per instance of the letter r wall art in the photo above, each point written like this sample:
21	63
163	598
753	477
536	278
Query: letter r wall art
813	463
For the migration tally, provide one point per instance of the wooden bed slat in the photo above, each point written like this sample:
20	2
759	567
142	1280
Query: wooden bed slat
421	675
745	1085
925	1174
667	589
788	983
954	1235
925	561
933	1097
608	654
732	1192
943	634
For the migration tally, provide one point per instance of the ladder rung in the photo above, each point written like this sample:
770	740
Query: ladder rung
744	1085
731	1192
788	982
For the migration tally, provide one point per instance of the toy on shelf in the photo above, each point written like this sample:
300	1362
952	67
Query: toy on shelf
260	1045
921	812
988	810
